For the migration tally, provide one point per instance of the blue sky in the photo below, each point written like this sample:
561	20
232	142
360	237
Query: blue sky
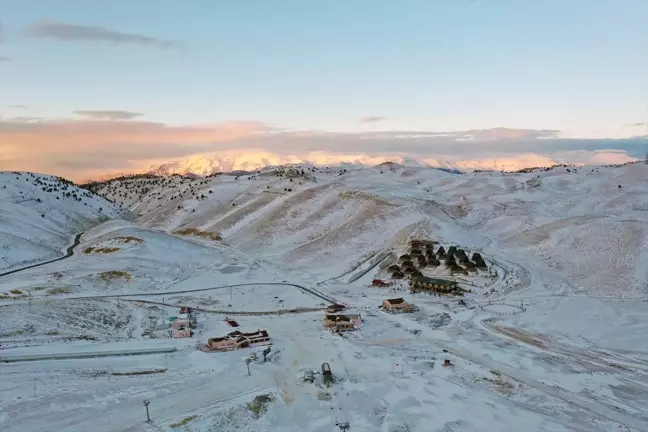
577	66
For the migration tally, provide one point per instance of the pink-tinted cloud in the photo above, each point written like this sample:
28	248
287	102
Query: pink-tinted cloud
89	148
77	147
372	119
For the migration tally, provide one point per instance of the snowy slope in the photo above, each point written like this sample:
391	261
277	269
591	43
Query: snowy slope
40	214
552	337
547	214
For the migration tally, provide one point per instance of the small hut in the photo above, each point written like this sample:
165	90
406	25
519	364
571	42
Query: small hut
326	369
335	307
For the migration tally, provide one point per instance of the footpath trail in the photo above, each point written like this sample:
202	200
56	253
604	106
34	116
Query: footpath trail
68	253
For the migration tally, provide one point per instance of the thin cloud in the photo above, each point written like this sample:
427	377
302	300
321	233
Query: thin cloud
18	106
83	33
372	119
108	114
4	59
638	124
502	133
24	119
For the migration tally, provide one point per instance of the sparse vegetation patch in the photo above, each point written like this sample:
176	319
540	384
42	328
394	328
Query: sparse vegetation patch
182	422
107	276
259	405
15	291
97	250
198	233
129	239
60	290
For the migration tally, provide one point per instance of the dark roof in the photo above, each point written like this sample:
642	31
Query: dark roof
394	301
337	318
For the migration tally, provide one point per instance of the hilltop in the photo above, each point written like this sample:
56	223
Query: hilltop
40	214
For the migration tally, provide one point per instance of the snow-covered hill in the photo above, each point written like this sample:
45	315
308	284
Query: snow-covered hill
307	220
40	214
550	336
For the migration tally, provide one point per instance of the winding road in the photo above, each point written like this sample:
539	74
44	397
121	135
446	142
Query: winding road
68	253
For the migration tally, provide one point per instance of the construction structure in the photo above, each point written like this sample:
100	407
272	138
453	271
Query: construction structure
397	305
430	285
237	340
182	324
181	328
342	322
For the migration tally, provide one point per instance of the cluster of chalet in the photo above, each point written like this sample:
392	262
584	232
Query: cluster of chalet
182	324
237	340
423	254
338	319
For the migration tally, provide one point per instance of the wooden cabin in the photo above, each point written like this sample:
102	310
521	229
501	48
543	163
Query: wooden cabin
342	322
397	305
425	284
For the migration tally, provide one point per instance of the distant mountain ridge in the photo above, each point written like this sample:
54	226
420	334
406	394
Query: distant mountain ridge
206	165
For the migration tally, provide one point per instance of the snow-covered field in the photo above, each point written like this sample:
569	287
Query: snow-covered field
553	337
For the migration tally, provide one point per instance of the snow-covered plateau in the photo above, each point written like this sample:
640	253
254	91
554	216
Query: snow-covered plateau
547	330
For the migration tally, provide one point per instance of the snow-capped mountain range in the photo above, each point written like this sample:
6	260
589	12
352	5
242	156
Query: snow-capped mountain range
247	161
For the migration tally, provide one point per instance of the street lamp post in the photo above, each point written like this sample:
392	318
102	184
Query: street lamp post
146	404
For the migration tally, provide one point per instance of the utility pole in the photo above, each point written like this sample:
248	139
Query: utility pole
247	363
165	362
146	404
34	387
29	292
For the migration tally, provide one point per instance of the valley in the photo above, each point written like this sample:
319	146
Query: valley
549	334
